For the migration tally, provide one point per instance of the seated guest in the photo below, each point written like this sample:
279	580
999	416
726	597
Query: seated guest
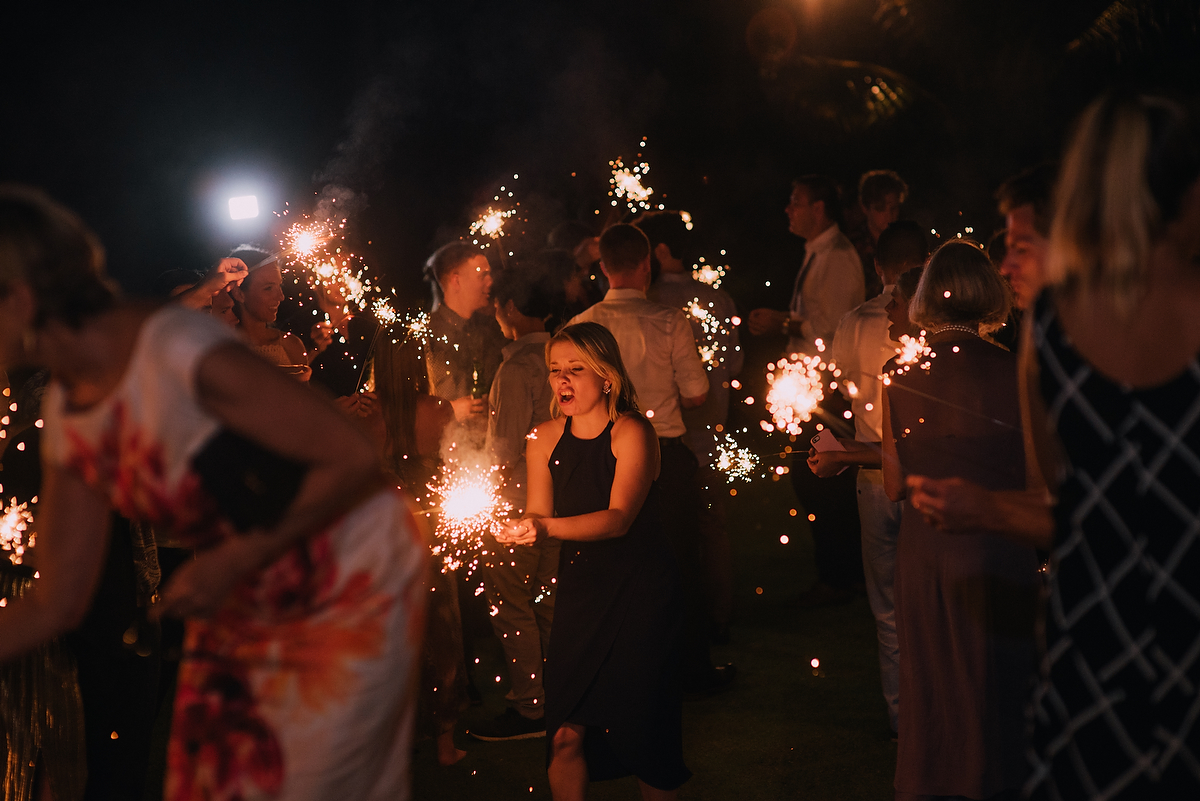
965	602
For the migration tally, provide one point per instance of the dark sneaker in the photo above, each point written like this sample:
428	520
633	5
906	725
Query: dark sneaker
512	725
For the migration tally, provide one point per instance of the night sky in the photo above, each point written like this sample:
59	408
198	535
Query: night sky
147	122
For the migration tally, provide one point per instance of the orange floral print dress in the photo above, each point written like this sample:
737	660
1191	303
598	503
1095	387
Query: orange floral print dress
303	685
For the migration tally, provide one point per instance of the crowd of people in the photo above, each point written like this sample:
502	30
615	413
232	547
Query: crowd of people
1016	498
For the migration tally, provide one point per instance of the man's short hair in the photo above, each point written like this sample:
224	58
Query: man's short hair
1031	187
623	247
902	243
531	285
446	260
824	189
876	185
668	228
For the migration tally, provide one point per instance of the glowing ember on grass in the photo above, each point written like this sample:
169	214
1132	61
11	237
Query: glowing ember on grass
735	461
14	525
471	506
795	392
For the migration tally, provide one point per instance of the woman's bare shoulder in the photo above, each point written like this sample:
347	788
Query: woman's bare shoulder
633	425
546	435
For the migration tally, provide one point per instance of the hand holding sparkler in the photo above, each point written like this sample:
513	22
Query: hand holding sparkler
526	531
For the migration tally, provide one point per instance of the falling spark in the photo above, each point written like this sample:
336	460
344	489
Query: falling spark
14	524
471	505
736	462
795	392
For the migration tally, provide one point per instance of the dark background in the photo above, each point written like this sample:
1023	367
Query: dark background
147	121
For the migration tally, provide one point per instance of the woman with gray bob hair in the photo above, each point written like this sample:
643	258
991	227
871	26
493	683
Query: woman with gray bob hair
960	287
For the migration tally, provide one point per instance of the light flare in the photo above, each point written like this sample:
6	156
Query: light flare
734	461
795	391
16	534
470	506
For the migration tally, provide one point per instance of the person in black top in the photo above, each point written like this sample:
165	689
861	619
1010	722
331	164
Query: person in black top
613	700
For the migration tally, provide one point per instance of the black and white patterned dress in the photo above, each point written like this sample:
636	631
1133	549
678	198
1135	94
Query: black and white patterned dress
1115	715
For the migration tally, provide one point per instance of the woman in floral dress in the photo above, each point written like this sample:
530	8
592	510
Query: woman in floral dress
303	601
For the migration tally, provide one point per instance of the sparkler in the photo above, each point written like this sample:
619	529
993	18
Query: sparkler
795	392
14	524
627	185
736	462
711	274
912	350
310	246
471	505
711	335
491	223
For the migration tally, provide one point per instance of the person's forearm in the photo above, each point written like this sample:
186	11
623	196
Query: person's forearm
862	454
1019	515
606	524
326	493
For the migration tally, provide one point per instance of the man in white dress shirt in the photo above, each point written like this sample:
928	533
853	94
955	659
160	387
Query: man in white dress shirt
672	248
861	348
660	355
829	284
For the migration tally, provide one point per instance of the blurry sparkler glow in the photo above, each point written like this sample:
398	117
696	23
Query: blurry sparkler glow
736	462
710	274
310	247
243	208
14	523
627	184
491	223
912	350
471	505
794	393
710	331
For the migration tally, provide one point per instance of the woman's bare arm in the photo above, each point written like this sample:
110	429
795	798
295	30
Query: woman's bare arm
635	445
72	540
257	401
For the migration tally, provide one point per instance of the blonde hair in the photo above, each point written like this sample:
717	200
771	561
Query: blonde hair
600	352
1127	167
960	286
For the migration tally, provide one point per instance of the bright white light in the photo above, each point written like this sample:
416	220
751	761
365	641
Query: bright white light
243	208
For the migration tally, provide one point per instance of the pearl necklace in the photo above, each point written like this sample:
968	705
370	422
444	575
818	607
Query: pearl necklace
963	328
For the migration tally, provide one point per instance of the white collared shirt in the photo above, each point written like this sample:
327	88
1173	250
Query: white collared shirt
827	286
659	352
861	348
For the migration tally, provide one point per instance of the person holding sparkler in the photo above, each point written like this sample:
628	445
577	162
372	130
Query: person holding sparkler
302	602
965	604
861	348
256	303
660	353
520	581
613	703
828	285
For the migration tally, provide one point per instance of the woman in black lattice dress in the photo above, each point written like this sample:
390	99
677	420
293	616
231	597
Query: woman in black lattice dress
1112	373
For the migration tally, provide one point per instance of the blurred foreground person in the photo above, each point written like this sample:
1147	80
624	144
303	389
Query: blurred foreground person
303	597
1112	384
966	602
613	703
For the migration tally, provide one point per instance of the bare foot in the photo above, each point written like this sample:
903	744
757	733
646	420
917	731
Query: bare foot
448	753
